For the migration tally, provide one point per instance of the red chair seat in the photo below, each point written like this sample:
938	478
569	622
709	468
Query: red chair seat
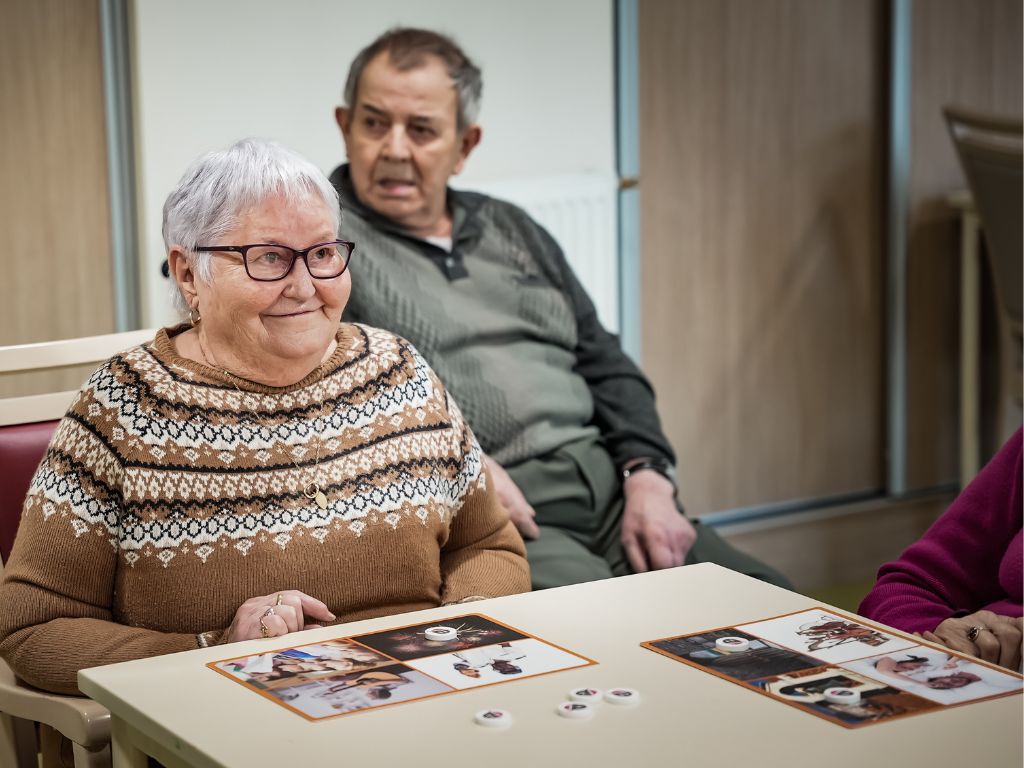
21	449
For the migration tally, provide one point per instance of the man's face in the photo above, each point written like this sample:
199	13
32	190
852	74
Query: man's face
403	142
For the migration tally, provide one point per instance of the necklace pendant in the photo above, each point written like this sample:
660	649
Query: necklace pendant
313	492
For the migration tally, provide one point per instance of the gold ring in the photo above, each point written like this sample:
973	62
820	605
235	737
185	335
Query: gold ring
973	632
279	600
264	630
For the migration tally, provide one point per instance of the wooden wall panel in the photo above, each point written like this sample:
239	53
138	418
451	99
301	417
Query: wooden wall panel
965	52
54	208
761	131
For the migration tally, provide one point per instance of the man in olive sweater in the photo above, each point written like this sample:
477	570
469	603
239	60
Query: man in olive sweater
573	439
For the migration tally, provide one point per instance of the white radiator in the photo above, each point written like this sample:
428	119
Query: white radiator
581	213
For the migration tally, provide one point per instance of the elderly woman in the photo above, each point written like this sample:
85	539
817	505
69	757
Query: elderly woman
258	470
962	583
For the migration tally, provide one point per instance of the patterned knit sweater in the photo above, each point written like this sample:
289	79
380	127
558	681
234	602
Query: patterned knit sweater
172	492
509	328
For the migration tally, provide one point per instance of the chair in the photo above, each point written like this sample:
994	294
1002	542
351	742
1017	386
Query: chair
990	152
26	425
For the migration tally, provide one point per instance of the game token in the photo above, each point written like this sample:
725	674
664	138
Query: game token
441	634
732	644
493	718
622	696
575	709
842	696
585	694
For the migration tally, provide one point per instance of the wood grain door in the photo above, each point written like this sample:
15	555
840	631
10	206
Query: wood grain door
54	204
761	166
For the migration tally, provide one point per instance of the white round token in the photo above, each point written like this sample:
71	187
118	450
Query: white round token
622	696
588	695
578	710
842	696
732	644
493	718
441	634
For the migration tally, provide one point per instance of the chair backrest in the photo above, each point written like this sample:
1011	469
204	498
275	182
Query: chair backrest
990	151
21	449
27	422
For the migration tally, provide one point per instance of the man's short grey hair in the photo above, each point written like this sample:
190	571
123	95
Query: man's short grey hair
221	186
407	48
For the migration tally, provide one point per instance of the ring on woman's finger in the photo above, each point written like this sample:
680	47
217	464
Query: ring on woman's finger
264	630
279	600
973	632
269	612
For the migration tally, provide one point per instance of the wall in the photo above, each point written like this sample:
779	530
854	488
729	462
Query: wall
208	73
54	211
761	165
966	53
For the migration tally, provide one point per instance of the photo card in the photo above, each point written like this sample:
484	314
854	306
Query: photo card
341	694
286	667
840	667
876	701
336	677
499	663
412	642
940	676
827	636
761	658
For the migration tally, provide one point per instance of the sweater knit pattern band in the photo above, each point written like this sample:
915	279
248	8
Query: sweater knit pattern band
162	464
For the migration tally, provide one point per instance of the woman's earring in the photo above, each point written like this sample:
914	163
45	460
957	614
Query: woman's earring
193	316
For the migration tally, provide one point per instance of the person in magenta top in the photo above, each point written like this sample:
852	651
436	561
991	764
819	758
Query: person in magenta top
961	584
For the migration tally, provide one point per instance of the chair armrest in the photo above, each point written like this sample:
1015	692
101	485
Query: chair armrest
82	720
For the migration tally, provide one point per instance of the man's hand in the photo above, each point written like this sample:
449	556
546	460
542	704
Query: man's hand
998	639
512	499
654	533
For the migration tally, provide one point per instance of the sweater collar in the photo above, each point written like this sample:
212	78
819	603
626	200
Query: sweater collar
464	206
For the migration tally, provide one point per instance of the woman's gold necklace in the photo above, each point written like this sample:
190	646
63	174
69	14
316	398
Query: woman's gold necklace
312	490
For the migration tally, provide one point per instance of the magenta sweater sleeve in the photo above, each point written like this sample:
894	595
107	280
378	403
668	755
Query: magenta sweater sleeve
954	569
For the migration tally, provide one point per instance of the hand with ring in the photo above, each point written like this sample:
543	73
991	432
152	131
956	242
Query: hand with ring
983	634
277	614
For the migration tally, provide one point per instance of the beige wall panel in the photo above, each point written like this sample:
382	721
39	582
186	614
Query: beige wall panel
54	210
965	52
825	548
761	175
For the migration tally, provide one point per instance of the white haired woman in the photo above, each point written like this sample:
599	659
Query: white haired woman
258	470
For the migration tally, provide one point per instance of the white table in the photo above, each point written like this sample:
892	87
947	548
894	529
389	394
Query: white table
179	711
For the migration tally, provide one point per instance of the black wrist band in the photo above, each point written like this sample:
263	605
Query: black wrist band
661	466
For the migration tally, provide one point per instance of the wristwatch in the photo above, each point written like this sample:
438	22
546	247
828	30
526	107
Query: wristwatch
663	467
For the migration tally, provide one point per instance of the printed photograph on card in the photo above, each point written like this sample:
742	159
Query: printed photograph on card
498	663
341	694
938	676
870	702
809	686
827	636
459	634
759	659
269	671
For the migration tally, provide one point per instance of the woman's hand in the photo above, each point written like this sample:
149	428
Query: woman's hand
997	640
275	615
508	493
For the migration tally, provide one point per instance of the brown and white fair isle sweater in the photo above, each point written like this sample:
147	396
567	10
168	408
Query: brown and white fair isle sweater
173	492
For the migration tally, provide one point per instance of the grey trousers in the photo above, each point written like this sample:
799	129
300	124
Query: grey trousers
577	495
